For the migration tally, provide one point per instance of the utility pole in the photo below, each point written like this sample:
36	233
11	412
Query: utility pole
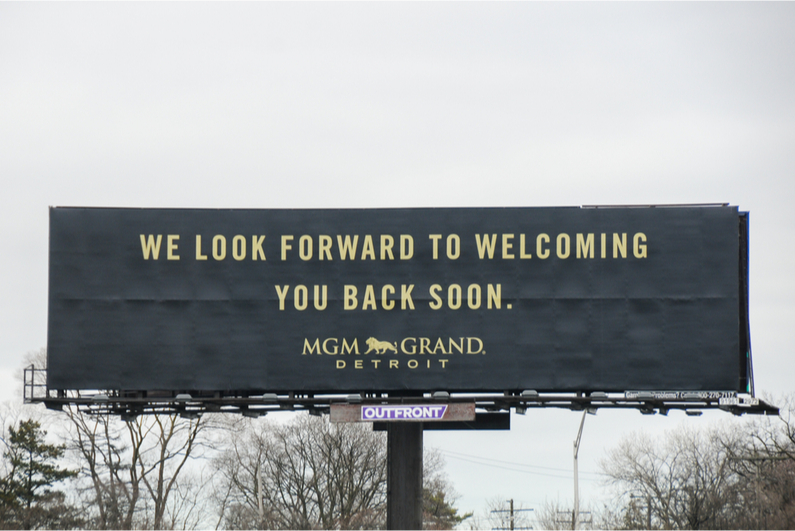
576	512
260	508
759	459
511	517
647	498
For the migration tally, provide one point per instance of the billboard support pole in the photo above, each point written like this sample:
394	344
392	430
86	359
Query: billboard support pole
404	475
575	514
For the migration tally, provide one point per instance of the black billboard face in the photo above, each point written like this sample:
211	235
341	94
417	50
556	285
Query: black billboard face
476	299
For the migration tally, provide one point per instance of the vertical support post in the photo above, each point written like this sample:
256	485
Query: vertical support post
260	508
404	475
575	514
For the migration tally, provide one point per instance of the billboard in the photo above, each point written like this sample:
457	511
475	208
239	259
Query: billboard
460	299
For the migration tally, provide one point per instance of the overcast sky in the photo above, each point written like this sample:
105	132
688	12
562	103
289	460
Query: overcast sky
407	105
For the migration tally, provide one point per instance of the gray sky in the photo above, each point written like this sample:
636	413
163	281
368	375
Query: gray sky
407	105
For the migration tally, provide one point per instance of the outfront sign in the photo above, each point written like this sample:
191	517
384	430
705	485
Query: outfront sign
480	299
403	412
417	412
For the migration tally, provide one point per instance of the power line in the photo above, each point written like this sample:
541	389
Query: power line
479	461
513	463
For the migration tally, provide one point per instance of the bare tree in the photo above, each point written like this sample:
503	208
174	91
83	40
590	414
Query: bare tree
188	506
554	515
763	457
101	447
684	481
739	474
305	474
310	473
134	470
159	465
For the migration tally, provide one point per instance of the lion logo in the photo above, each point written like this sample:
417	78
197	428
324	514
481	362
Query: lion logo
380	347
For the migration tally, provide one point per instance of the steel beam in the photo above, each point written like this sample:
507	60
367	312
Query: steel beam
404	475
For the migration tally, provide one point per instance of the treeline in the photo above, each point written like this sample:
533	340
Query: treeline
733	475
217	471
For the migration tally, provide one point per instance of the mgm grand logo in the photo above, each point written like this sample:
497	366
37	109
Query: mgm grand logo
410	346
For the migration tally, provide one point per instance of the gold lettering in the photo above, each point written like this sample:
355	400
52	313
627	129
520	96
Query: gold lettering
219	247
453	247
286	238
639	245
563	245
584	246
312	347
439	345
150	246
347	247
435	239
199	255
305	248
324	247
357	364
387	304
387	242
506	246
406	247
350	297
352	348
239	248
301	297
282	294
393	364
473	296
540	251
620	245
405	297
454	296
369	298
333	351
604	245
425	345
434	290
494	296
413	346
486	245
340	364
469	345
522	254
172	246
321	300
367	248
452	344
256	248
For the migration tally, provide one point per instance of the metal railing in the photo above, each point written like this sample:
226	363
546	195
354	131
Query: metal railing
130	403
34	384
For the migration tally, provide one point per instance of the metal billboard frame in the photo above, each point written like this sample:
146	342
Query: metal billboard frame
128	405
